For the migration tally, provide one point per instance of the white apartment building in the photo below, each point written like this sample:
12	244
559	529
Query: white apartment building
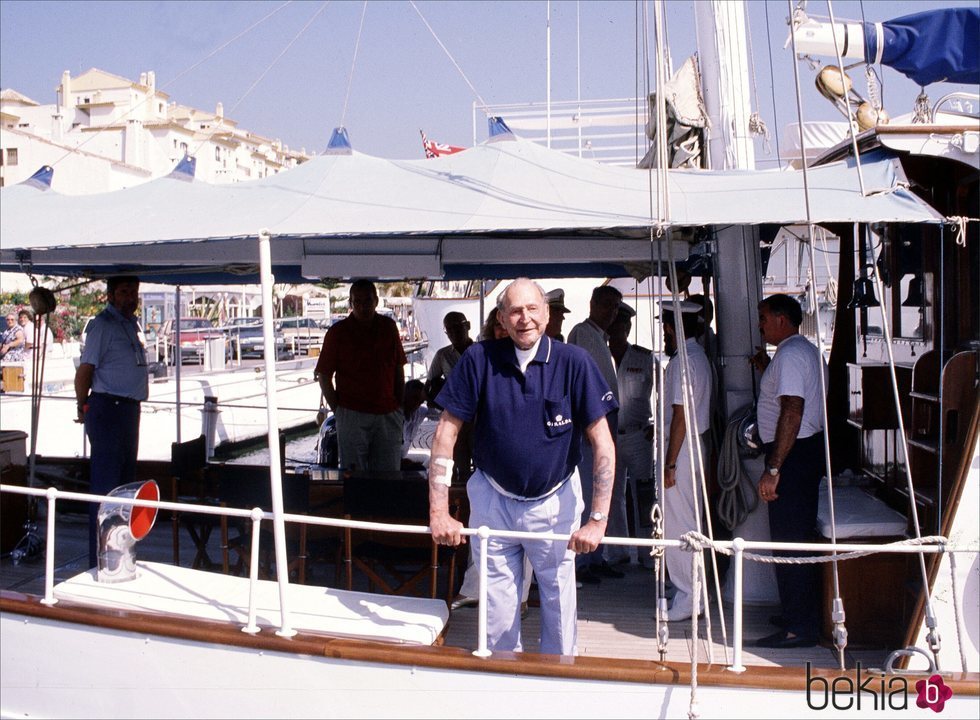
106	132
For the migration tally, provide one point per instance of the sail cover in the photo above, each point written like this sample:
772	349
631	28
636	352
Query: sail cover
928	47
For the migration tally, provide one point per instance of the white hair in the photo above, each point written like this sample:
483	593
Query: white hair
503	295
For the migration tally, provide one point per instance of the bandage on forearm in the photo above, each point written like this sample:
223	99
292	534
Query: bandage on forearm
442	473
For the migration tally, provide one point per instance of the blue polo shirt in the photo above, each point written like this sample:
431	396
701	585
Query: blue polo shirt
116	348
528	428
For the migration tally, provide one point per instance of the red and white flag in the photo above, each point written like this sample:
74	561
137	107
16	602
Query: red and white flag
434	149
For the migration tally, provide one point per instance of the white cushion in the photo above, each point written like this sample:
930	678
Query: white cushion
857	514
168	590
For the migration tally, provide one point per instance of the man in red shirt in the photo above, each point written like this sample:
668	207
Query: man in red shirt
364	353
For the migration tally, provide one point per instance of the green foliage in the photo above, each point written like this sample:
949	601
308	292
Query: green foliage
12	300
75	304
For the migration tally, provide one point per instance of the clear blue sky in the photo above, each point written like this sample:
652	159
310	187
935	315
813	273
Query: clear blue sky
403	80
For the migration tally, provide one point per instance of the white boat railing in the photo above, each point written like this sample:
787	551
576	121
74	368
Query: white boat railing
737	547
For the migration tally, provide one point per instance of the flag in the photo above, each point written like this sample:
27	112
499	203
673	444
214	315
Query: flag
434	149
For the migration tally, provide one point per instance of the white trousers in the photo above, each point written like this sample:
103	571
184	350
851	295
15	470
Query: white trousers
552	561
471	578
681	504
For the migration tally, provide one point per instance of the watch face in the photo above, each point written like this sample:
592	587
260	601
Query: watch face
773	471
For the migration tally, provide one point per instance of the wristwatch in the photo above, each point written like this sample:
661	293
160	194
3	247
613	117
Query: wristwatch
598	516
773	471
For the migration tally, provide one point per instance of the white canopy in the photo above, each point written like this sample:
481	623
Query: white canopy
485	212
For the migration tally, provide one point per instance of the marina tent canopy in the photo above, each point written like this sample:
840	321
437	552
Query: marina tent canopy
494	211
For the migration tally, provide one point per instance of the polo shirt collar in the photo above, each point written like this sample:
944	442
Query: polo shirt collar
543	354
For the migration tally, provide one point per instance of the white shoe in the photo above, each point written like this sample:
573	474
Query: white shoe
461	601
678	614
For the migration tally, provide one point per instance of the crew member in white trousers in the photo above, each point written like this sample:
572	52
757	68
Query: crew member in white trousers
682	495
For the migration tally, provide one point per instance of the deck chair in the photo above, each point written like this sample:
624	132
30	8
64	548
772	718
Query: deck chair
246	487
398	564
190	482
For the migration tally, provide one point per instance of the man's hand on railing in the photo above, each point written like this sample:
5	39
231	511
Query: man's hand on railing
446	530
587	538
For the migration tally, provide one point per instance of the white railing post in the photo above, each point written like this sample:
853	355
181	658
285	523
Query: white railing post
253	571
738	545
49	598
481	650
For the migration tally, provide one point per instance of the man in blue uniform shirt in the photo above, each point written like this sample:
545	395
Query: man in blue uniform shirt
531	400
110	383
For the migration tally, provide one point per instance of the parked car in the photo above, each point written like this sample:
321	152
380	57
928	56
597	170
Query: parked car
249	336
194	335
84	335
242	322
301	333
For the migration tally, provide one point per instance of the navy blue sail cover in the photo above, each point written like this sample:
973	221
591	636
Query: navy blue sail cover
931	46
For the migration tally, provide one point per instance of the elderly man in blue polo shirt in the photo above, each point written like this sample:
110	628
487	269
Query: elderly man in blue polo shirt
531	400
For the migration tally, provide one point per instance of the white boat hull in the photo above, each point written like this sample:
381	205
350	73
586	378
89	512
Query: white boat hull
55	668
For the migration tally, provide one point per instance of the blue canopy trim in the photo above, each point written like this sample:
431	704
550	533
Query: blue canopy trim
41	179
185	169
928	47
339	143
498	128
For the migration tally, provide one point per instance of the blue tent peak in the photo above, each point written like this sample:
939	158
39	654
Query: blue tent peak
339	143
499	129
41	179
185	169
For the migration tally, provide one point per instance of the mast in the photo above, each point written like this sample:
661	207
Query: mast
723	60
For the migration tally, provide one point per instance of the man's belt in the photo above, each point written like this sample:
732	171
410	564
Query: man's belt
506	493
118	399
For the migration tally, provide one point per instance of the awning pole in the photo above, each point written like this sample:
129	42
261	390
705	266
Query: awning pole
272	410
178	359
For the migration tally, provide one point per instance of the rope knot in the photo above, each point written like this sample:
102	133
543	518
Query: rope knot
693	541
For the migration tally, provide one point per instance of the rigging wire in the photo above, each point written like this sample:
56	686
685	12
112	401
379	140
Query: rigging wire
694	448
850	123
482	102
876	95
353	62
662	630
177	77
840	631
756	124
255	83
772	84
933	635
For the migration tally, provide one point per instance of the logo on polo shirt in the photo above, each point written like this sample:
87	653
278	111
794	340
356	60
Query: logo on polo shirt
559	421
607	397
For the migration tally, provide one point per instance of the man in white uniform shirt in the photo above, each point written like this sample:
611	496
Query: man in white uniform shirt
590	335
682	493
634	438
790	419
